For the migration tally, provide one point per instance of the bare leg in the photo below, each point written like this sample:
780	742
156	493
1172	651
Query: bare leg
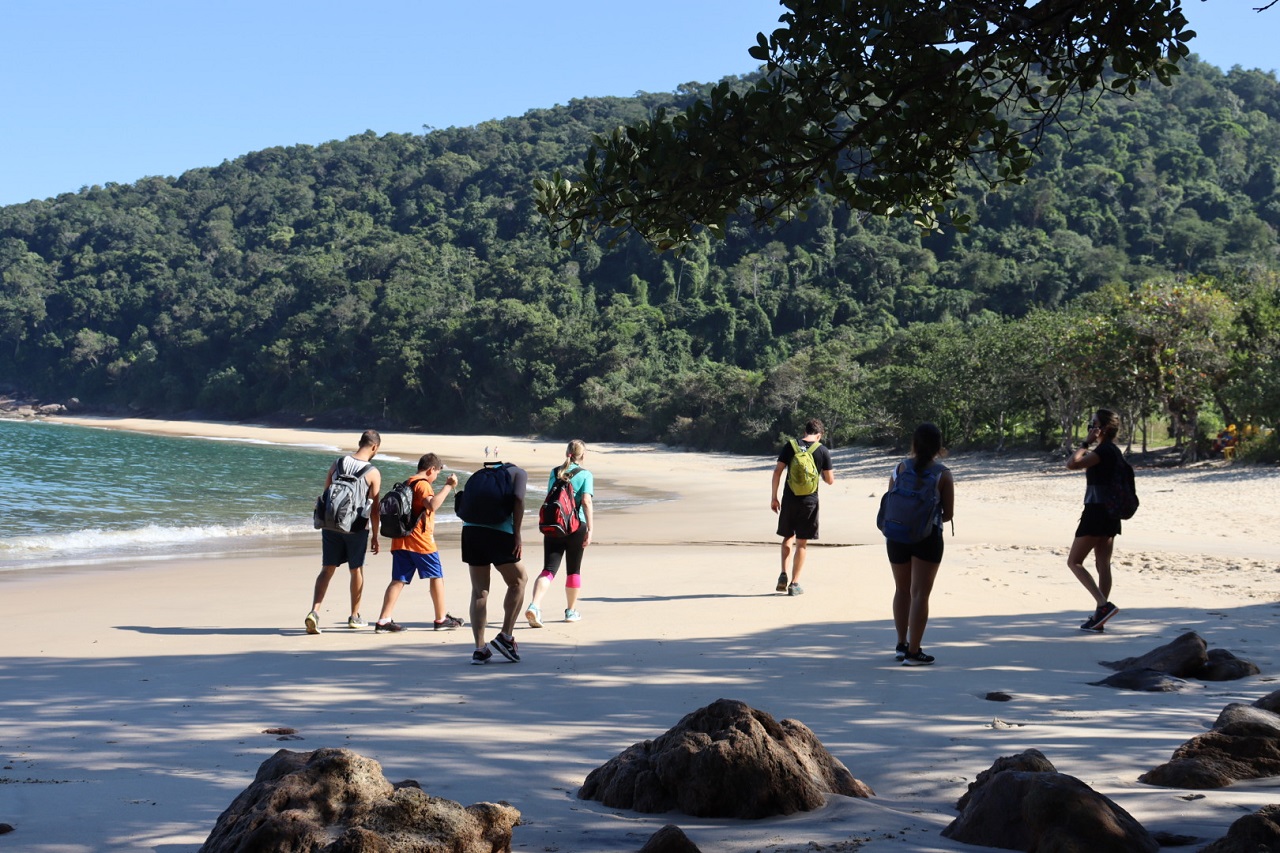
787	544
479	602
389	599
922	577
514	575
571	597
540	587
1102	559
1080	549
322	586
901	599
802	548
357	589
436	585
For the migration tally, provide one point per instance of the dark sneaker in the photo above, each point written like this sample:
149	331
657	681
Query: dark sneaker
390	625
795	589
480	656
507	646
782	582
448	623
1091	624
917	659
312	622
900	651
1103	613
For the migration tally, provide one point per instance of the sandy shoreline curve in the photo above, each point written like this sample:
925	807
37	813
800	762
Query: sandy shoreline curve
137	699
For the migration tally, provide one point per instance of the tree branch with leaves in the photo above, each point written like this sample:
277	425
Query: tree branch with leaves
880	103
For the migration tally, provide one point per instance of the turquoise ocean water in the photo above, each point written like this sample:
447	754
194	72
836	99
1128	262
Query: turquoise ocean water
76	495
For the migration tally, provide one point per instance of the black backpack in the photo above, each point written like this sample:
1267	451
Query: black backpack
489	496
395	511
1120	496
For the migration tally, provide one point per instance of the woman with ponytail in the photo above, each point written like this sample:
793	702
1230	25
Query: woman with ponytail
569	548
915	564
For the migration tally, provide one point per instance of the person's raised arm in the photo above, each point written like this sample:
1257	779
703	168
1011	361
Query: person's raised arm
1084	457
437	500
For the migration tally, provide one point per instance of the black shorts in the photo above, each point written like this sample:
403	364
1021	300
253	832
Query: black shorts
337	548
798	517
1095	521
484	546
569	547
928	549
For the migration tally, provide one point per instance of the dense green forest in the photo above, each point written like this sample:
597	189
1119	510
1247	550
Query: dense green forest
407	281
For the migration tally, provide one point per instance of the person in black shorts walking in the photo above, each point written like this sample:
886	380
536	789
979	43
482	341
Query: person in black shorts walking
798	513
915	566
1097	530
499	546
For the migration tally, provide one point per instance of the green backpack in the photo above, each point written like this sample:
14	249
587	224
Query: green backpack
802	474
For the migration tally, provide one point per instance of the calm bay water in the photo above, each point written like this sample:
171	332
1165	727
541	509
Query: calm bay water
71	494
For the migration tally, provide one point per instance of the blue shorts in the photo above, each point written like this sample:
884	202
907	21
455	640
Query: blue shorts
405	563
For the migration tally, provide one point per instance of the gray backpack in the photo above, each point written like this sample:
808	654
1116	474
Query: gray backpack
344	504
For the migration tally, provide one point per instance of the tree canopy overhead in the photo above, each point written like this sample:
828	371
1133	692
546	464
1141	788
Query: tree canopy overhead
879	103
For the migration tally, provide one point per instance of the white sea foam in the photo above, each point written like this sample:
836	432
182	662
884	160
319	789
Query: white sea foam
99	545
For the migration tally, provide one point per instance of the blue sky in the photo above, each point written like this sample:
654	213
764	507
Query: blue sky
97	91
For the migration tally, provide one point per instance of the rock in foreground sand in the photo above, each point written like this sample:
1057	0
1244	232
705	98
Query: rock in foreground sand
335	800
724	760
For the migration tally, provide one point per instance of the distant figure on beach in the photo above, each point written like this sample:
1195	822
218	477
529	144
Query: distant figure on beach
417	552
1097	530
915	561
486	451
805	463
336	547
496	544
571	547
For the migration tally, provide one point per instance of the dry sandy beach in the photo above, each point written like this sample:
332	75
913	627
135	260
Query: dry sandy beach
133	701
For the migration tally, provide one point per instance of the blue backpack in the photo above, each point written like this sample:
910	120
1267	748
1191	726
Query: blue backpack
909	510
489	496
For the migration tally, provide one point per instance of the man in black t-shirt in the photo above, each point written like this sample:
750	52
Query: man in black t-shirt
798	514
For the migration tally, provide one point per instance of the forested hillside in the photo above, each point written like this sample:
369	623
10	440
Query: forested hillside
407	280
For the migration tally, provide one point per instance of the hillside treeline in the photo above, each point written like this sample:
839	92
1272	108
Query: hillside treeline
406	280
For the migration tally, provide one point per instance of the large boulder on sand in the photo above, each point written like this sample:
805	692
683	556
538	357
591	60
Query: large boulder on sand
724	760
1244	743
1032	760
1225	666
335	801
669	839
1163	669
1182	658
1252	833
1042	811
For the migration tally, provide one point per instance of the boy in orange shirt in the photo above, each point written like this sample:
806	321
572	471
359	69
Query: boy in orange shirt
417	552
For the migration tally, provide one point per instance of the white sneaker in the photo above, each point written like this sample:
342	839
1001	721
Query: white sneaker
534	614
572	616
